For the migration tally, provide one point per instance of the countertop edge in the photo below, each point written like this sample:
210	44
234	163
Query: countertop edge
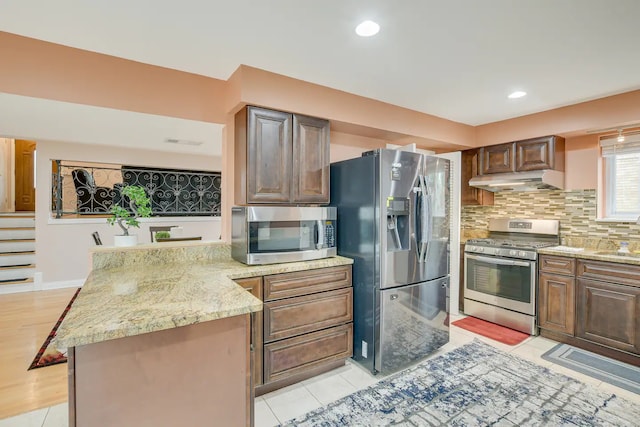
590	254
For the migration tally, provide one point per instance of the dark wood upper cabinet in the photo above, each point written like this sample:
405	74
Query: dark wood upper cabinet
472	196
540	153
546	152
280	158
497	158
310	160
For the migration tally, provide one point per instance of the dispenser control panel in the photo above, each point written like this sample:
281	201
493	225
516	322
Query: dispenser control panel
397	206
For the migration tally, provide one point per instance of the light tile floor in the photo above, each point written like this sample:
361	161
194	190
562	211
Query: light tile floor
281	405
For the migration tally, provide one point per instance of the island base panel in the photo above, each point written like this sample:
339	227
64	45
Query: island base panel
184	376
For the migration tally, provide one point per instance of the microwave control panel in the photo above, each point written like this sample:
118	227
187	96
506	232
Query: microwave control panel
329	235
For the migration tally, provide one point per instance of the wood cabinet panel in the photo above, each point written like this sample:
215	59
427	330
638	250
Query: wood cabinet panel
557	264
556	299
498	158
287	285
280	158
296	355
269	145
472	196
608	314
254	285
540	153
626	274
294	316
310	182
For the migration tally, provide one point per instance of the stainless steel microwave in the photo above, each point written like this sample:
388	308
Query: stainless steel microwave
272	234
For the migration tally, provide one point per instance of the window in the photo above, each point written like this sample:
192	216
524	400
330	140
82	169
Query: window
622	178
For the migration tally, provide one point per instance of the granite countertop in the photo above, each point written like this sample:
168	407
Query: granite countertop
136	299
593	254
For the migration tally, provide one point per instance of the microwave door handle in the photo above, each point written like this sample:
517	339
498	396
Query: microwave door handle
497	261
319	234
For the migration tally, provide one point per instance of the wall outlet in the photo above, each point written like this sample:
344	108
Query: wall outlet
364	349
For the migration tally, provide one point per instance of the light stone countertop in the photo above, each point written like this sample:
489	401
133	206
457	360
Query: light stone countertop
591	254
135	299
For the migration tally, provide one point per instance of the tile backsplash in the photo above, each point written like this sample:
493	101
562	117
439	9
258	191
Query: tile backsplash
575	209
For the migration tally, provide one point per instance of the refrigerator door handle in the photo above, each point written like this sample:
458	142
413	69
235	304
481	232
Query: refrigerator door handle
425	221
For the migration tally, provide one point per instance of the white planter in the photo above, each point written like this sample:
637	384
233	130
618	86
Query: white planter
130	240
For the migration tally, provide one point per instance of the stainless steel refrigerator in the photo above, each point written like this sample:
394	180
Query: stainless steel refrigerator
393	221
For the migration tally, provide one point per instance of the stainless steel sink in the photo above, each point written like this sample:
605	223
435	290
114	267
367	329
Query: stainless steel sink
616	253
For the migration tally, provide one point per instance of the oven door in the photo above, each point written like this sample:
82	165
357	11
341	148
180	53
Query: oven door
502	282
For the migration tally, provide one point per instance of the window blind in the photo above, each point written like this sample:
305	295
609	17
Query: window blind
611	146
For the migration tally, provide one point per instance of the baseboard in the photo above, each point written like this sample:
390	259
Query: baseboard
62	284
41	286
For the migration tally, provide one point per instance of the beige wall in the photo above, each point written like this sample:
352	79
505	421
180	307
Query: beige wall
62	246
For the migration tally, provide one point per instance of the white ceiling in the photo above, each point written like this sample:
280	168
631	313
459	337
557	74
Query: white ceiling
44	119
456	59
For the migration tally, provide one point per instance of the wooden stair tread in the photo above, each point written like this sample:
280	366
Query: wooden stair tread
17	253
17	228
16	282
17	267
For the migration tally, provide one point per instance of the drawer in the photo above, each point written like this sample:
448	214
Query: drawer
299	315
625	274
306	282
557	264
297	355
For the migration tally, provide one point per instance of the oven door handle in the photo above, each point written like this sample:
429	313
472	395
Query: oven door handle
497	261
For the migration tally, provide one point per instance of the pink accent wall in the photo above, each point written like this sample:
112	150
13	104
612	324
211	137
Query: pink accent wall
582	155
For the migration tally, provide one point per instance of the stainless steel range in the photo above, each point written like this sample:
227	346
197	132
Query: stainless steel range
500	272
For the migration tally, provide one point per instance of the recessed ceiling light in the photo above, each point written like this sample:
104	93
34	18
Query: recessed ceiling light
517	94
367	29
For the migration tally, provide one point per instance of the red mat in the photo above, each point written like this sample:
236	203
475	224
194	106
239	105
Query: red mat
491	330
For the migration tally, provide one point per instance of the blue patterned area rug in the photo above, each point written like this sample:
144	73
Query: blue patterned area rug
476	385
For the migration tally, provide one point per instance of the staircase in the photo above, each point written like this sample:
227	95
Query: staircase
17	248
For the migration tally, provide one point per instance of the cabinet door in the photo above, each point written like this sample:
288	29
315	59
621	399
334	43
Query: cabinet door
269	148
310	160
292	356
535	154
608	314
254	285
498	158
469	195
556	308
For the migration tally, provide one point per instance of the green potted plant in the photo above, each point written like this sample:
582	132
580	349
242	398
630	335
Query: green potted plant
139	207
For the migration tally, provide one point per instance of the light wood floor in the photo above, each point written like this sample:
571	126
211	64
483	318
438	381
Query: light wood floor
25	321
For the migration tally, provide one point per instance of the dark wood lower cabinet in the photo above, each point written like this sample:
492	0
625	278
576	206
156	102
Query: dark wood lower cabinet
305	328
609	314
556	309
594	305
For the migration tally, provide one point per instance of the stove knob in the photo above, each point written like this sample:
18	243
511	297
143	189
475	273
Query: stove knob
470	248
522	253
480	249
513	253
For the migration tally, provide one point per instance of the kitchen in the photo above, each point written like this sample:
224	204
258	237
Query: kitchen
579	149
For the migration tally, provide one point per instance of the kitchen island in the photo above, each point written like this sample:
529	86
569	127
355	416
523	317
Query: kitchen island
160	335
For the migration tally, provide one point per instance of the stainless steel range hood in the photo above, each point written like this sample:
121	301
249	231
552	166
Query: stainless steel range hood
522	181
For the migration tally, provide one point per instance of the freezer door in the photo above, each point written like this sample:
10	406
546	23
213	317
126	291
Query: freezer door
414	322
